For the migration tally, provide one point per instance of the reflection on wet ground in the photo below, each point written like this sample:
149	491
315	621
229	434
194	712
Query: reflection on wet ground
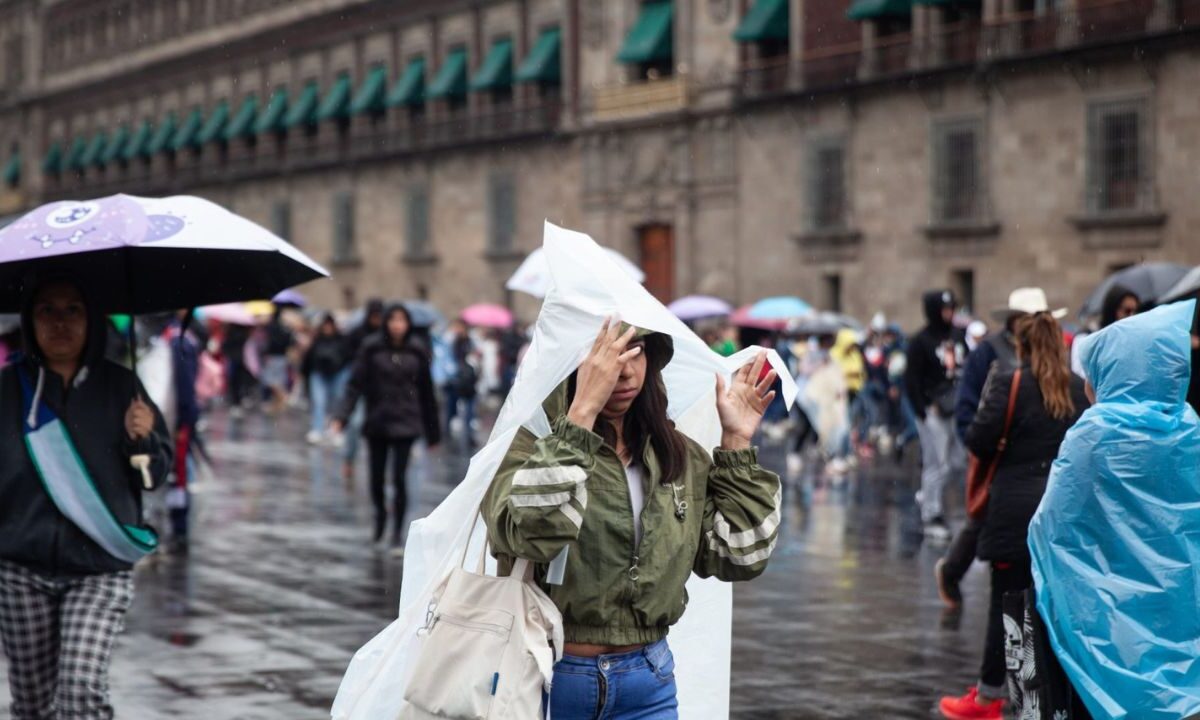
282	585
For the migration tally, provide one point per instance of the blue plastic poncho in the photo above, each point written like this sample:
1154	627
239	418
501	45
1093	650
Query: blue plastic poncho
1116	540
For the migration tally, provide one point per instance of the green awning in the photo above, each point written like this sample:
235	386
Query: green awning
496	71
304	112
116	145
451	80
74	158
767	20
94	154
188	134
12	171
872	9
372	94
242	124
272	118
337	101
139	143
214	129
52	163
651	38
410	89
161	140
542	65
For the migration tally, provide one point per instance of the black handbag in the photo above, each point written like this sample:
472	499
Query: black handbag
1038	687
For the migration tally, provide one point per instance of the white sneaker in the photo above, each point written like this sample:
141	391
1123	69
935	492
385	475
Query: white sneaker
795	464
313	437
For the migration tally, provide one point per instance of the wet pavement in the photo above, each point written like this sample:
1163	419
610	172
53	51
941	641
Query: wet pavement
282	585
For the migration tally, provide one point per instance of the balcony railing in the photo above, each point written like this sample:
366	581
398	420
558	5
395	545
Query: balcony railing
616	102
302	152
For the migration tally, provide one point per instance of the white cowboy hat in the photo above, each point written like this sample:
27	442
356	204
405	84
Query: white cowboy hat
1027	301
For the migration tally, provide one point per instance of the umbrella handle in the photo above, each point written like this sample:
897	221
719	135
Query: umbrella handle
142	464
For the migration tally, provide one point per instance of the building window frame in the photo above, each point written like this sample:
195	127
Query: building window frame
281	219
344	245
819	217
418	236
947	208
502	203
1119	190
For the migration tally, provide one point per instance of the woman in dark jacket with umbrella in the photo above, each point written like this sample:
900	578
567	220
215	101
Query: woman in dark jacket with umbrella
391	373
1050	398
71	425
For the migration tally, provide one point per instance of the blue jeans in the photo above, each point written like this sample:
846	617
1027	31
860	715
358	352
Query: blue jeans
637	685
324	392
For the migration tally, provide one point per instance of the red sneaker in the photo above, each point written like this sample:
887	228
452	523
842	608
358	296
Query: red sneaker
967	707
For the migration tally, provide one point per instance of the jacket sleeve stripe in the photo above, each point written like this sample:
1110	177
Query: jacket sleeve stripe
555	475
743	560
572	514
746	538
546	500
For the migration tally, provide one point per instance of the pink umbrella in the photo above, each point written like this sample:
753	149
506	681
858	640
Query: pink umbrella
741	318
487	315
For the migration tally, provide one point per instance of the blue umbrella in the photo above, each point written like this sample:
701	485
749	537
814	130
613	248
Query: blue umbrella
780	308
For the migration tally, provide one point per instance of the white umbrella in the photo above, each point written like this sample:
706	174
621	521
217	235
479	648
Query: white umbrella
533	277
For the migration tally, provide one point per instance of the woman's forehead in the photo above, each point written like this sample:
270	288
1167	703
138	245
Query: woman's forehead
59	292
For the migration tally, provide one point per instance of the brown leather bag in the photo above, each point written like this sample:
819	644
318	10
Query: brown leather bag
979	476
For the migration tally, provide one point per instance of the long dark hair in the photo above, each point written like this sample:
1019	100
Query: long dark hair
647	421
387	315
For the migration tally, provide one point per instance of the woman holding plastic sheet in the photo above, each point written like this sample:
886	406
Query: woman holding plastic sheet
636	507
70	532
1048	400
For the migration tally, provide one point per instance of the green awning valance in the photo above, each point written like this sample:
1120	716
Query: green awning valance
337	101
496	71
767	20
94	154
116	145
52	163
242	124
12	170
451	80
214	129
410	89
872	9
139	142
74	158
542	65
372	94
161	140
273	117
304	112
651	39
188	134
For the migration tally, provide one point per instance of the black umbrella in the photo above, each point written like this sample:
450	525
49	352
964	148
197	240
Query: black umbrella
1149	281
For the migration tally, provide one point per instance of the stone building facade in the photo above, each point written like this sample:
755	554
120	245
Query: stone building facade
852	153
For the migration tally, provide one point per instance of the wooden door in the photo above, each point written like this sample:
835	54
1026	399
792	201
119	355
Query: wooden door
656	246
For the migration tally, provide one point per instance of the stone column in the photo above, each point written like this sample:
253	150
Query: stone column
918	51
1164	15
570	48
868	64
796	44
1068	23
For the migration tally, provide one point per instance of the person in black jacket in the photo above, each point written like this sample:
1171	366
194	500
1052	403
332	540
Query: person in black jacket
371	325
392	374
185	366
322	368
1050	398
64	594
934	361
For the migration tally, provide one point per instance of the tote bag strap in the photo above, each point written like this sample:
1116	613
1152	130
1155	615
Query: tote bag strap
521	568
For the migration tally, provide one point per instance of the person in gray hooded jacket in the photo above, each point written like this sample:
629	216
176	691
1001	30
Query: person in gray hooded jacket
65	583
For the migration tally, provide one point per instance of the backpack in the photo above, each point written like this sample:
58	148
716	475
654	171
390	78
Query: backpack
488	648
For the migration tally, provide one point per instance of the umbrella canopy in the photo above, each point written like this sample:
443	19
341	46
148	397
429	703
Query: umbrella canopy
698	307
147	255
533	277
742	318
1188	286
1150	281
488	316
780	308
290	298
9	323
229	313
823	323
424	314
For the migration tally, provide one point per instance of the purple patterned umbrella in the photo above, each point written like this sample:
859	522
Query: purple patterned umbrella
290	298
143	255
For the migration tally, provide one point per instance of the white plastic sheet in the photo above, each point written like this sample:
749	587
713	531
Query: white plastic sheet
587	286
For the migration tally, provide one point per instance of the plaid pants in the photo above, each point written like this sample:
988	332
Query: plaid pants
58	635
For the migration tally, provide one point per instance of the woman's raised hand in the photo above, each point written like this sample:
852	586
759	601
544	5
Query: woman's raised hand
742	405
599	372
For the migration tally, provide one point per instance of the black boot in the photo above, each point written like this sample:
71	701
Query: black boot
380	525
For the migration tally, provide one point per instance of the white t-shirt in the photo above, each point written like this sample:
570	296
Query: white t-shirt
637	498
